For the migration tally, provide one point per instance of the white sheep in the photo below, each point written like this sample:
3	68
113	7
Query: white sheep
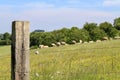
81	41
53	45
91	41
63	43
41	46
45	46
74	42
58	43
37	52
98	41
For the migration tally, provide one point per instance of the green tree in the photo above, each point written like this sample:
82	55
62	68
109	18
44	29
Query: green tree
109	29
6	36
117	23
84	35
6	39
1	36
89	26
48	38
97	34
93	30
61	35
74	34
35	38
114	32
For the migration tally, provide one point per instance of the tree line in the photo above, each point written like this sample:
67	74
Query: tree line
89	32
5	39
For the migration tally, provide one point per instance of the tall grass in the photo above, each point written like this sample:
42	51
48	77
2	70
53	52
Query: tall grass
4	50
95	61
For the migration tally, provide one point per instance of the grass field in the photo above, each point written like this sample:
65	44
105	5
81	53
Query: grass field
4	50
91	61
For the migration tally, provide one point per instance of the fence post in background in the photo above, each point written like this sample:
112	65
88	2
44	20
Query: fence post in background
20	51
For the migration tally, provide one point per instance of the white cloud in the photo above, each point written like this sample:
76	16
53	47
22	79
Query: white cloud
111	2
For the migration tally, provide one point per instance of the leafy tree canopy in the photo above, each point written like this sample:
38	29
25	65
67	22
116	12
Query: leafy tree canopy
117	23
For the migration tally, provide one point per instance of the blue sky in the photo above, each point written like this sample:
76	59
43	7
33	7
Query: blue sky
55	14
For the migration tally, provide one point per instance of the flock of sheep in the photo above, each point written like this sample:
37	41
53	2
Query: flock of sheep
64	43
58	44
73	42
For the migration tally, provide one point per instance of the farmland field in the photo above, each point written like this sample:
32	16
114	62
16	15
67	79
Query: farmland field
90	61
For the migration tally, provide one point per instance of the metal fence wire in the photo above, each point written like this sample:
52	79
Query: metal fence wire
101	68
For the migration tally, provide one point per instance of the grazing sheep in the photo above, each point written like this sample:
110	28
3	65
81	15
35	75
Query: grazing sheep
98	41
41	46
37	52
81	41
45	46
105	38
53	45
85	42
58	43
117	37
74	42
63	43
91	41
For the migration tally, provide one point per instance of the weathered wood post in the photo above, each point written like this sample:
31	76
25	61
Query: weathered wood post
20	50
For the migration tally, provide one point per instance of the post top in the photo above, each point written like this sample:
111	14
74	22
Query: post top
20	21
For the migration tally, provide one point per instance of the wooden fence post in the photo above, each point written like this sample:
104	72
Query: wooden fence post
20	51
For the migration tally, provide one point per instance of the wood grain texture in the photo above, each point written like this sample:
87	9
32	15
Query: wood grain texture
20	51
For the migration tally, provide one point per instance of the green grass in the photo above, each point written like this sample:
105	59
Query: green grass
4	50
92	61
